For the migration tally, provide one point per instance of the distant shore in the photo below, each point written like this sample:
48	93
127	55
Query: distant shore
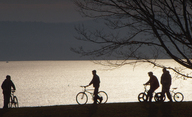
183	109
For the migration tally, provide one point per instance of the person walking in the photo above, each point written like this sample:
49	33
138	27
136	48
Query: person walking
96	83
166	83
154	84
6	87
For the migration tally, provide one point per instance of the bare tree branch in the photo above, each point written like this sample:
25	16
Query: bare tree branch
162	27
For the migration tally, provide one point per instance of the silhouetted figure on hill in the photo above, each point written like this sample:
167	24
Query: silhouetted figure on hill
6	86
96	83
154	84
166	83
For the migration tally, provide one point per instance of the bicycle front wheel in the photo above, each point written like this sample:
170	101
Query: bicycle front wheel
81	98
13	102
178	97
142	97
104	97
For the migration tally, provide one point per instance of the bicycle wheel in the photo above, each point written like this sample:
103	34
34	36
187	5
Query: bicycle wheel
157	97
142	97
14	103
178	97
104	96
81	98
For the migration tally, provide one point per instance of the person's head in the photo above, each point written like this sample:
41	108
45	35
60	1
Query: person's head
94	72
150	73
8	77
164	70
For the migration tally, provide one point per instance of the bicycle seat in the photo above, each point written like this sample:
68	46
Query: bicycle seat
175	88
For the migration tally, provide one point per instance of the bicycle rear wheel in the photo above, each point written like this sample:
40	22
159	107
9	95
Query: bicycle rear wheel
157	97
81	98
142	97
178	97
104	97
10	100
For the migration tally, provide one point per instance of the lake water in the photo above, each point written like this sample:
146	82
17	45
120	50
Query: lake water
44	83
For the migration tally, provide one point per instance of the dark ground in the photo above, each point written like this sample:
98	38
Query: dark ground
183	109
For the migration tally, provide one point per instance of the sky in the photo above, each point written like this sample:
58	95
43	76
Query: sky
39	11
38	30
41	30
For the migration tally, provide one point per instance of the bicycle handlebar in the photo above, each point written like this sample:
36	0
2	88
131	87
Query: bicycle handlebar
144	85
83	86
12	91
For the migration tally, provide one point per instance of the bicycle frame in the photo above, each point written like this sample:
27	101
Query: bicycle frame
88	91
13	100
146	90
12	95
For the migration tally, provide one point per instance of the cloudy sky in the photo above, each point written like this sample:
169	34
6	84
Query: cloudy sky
39	10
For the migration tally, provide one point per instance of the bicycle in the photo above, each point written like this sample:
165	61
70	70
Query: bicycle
13	103
177	96
82	98
142	97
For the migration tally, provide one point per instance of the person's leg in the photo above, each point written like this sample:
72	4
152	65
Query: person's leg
168	93
96	95
150	94
163	93
4	97
6	100
147	97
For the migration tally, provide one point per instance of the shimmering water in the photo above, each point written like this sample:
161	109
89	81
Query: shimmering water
43	83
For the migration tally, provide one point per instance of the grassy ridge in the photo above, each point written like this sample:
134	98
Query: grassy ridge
183	109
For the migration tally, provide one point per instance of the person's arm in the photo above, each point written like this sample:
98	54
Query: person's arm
3	85
148	82
87	85
90	82
12	84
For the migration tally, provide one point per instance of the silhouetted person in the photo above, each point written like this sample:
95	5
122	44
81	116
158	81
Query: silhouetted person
96	83
166	83
6	86
154	84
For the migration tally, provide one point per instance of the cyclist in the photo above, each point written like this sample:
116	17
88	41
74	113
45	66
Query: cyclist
96	83
6	86
154	84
